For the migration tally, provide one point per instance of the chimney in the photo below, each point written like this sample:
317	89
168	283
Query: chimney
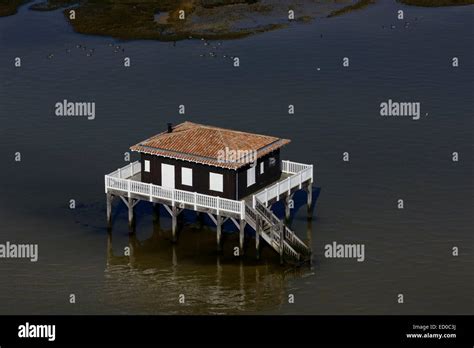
170	127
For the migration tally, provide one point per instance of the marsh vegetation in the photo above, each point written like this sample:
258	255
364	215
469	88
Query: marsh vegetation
171	20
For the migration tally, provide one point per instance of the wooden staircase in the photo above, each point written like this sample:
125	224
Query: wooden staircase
282	239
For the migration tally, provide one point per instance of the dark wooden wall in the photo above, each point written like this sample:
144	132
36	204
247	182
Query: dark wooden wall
269	176
201	175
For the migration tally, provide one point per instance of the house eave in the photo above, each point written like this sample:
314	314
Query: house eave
209	161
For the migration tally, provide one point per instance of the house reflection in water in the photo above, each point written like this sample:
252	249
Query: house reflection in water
149	276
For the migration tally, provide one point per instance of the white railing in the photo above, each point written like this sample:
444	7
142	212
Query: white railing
293	167
300	173
128	171
119	180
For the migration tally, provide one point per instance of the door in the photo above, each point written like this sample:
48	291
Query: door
251	176
167	175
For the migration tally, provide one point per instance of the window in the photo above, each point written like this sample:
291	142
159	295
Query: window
262	167
272	161
216	182
251	176
147	166
187	176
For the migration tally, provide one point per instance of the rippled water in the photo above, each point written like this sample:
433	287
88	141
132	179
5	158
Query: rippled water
407	251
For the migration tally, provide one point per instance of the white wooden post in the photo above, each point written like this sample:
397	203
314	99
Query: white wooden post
289	185
106	186
172	197
300	179
195	201
242	210
217	205
151	194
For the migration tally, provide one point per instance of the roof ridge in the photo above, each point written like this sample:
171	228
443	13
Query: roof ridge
227	143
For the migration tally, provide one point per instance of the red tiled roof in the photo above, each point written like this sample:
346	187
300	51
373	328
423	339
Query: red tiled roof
207	145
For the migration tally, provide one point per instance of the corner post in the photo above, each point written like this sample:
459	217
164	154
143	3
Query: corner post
174	223
282	241
310	198
287	207
130	211
110	249
219	231
241	236
257	238
109	209
309	235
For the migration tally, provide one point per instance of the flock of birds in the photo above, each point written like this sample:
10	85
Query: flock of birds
213	52
393	26
90	51
213	47
406	24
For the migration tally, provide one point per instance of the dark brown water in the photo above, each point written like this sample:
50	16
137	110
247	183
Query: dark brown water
407	251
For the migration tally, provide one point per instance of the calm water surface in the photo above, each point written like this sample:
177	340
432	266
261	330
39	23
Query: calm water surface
407	251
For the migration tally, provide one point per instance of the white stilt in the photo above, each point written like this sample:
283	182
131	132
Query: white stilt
287	206
219	232
257	237
109	208
309	190
174	223
242	236
282	240
130	211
